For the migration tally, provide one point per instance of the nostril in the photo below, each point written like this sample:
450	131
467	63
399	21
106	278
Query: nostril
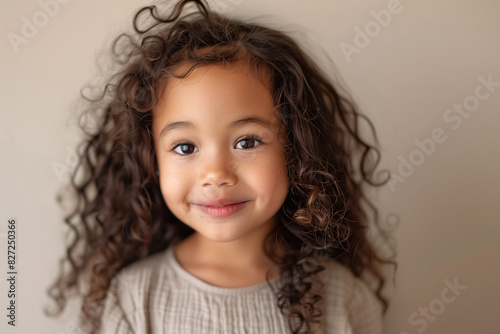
218	176
219	182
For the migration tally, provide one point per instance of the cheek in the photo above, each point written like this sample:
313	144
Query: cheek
173	184
272	177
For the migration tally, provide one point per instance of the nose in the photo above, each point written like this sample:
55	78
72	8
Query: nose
218	170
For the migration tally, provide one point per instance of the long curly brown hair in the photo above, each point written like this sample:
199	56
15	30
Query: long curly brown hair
120	215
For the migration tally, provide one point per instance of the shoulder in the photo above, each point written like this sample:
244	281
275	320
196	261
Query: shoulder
149	266
143	275
139	280
129	291
350	306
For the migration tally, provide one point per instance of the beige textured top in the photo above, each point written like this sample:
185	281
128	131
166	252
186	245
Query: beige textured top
156	295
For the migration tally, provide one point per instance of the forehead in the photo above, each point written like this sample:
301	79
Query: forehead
242	71
217	89
244	67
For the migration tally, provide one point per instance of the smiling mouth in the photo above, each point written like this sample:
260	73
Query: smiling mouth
222	211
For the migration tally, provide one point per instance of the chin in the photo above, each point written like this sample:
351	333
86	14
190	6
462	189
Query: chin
221	236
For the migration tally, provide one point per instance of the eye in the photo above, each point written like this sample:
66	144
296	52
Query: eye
184	148
249	142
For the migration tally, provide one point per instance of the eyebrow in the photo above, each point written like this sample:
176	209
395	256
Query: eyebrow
247	120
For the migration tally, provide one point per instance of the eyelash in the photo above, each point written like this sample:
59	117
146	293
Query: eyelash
246	137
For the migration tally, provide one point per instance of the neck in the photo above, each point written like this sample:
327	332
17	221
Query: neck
244	253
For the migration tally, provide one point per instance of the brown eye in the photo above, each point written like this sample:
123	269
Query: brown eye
185	149
249	143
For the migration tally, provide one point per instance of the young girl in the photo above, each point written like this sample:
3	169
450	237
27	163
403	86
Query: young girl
222	189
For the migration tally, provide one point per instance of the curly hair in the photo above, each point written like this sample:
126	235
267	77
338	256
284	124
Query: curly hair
119	215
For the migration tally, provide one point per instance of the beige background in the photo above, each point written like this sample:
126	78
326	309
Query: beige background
428	58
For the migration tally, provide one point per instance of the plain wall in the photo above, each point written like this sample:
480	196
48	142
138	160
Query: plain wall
410	77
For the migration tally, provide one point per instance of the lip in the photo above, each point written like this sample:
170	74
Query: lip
221	208
221	202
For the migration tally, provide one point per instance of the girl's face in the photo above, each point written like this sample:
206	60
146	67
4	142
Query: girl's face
221	162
